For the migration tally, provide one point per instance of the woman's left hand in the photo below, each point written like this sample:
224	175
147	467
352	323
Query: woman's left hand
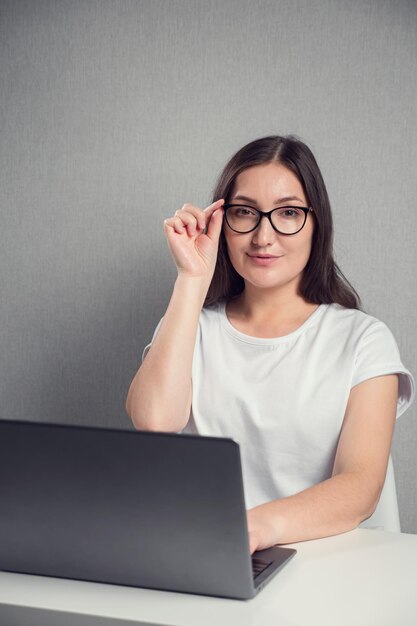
259	530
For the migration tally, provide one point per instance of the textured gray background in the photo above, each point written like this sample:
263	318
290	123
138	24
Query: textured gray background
115	113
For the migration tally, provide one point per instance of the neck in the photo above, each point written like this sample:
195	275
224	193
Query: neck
266	304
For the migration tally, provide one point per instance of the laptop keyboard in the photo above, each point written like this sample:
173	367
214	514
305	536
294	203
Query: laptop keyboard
258	565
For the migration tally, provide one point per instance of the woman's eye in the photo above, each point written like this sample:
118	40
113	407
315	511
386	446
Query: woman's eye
244	211
290	213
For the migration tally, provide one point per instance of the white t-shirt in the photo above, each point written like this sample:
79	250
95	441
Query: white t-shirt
284	399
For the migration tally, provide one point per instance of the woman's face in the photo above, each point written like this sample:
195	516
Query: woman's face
269	186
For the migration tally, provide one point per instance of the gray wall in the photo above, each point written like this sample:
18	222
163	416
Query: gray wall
115	113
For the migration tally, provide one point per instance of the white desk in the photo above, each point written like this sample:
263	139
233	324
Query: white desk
364	577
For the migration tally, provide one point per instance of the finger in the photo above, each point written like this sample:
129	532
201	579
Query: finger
175	224
215	225
202	216
208	211
179	225
170	222
190	209
212	207
168	225
190	221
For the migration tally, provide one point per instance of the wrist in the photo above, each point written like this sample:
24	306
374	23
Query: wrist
194	287
267	524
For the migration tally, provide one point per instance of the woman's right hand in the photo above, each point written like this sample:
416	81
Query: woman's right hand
193	238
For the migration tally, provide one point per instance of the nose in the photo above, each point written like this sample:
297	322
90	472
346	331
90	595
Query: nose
264	234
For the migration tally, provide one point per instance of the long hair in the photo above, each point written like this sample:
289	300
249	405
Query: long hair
322	281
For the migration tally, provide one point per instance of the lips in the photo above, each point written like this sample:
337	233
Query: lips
264	256
263	259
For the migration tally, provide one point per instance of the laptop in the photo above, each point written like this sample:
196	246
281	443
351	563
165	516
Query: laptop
146	509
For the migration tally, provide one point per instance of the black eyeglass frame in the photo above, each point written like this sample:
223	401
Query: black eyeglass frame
306	211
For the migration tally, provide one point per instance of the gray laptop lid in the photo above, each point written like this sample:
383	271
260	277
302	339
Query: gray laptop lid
155	510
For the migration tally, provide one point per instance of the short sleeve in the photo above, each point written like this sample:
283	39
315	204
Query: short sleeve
146	348
378	355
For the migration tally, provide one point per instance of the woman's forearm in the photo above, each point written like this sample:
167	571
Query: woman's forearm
159	395
331	507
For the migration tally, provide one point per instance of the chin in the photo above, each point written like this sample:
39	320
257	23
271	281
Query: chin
265	283
269	280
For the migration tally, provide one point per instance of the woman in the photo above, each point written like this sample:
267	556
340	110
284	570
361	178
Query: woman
264	341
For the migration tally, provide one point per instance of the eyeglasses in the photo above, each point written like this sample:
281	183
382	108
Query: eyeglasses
286	220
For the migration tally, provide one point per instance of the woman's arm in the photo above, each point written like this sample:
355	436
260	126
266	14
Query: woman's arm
350	496
159	396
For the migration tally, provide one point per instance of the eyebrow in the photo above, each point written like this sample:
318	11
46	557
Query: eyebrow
278	201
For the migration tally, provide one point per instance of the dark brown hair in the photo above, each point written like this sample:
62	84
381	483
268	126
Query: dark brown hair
322	281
